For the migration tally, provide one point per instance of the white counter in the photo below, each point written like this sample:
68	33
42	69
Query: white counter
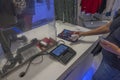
51	69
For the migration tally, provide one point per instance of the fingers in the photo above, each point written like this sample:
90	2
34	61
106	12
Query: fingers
105	42
78	33
74	37
109	46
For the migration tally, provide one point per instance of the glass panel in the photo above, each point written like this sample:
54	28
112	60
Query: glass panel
21	23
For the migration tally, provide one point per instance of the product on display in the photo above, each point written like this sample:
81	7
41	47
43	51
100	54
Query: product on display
46	43
68	35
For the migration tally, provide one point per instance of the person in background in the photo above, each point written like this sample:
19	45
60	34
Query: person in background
109	68
28	14
25	10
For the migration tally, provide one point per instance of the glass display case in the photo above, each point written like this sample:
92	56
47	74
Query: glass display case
24	24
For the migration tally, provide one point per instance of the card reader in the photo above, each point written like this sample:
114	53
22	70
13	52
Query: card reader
63	53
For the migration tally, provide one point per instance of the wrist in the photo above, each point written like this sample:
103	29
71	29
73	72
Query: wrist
81	34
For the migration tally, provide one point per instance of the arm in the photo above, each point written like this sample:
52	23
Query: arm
100	30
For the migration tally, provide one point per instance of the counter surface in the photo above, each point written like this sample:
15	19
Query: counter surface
51	69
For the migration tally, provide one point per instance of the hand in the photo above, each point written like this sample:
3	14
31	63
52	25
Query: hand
79	33
110	47
74	37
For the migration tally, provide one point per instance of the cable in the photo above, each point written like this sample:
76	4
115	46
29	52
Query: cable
38	62
61	41
22	74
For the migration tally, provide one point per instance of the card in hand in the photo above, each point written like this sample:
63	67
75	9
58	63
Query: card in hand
66	35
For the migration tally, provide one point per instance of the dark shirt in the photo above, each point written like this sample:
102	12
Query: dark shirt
30	3
111	58
30	7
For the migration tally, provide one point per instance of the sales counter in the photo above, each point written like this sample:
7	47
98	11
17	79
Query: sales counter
51	69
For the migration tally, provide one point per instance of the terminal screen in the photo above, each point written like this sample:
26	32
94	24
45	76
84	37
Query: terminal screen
59	50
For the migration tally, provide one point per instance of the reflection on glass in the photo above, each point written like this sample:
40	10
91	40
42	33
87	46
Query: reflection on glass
23	20
34	13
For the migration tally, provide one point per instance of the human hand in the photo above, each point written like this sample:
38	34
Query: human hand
79	33
110	46
74	37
